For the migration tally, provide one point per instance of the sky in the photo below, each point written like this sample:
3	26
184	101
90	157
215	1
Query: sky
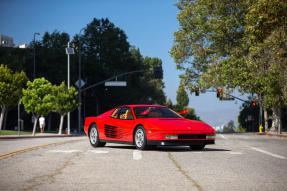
148	24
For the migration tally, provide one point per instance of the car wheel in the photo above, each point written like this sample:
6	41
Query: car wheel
197	147
94	137
140	138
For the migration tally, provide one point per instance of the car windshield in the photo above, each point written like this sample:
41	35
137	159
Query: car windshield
154	112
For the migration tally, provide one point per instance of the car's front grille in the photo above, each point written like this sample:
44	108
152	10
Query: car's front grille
191	136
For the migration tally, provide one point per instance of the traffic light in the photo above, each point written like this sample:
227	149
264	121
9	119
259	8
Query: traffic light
85	93
253	104
219	93
157	72
196	91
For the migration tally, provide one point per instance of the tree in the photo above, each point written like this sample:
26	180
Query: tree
105	52
169	103
190	114
182	97
11	85
65	101
209	32
246	122
266	23
52	59
38	99
231	44
229	128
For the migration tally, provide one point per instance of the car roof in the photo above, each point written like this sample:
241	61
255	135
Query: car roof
141	105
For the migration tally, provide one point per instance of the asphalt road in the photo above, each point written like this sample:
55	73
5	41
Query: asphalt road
236	162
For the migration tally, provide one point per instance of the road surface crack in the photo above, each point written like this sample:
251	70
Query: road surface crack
40	180
199	188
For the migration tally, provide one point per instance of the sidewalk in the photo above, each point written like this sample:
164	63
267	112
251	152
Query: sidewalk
274	134
37	135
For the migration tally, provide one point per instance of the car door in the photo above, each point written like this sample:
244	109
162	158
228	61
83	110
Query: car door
110	125
126	123
120	124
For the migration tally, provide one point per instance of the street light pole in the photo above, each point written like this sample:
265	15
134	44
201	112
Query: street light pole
34	68
68	83
68	52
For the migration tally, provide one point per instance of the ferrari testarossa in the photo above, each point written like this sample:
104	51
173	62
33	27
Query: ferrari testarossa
147	125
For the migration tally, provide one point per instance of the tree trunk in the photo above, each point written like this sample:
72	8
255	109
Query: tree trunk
276	119
4	126
266	120
61	124
35	125
3	111
280	121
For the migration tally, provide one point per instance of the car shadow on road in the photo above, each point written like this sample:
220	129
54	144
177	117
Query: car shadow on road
169	148
183	149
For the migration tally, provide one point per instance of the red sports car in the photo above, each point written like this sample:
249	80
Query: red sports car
146	125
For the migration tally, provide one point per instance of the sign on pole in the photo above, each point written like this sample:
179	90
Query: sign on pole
116	83
77	83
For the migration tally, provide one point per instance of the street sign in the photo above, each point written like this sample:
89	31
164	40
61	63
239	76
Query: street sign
116	83
77	83
70	50
226	98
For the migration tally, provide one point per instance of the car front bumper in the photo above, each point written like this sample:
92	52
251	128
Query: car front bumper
180	142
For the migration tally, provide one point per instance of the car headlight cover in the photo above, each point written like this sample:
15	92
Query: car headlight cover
210	136
171	136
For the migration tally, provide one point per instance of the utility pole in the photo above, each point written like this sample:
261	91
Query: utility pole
34	68
80	84
19	116
260	114
80	90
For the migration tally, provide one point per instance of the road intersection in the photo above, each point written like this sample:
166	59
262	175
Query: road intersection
235	162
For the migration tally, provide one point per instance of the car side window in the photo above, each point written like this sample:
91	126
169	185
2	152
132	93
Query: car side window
126	113
115	113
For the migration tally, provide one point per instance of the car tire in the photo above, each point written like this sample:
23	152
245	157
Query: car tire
94	137
140	138
196	147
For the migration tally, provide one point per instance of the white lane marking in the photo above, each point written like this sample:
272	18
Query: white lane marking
223	137
235	153
99	151
63	151
137	155
268	153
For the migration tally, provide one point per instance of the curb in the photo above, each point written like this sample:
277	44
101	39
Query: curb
37	136
272	135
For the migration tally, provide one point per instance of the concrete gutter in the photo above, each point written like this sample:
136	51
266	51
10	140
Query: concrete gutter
283	135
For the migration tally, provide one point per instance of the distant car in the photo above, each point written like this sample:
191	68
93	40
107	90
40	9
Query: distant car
146	125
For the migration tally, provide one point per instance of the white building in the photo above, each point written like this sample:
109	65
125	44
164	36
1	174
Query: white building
6	41
23	46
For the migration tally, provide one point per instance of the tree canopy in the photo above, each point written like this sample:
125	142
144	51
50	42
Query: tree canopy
65	101
11	85
38	98
105	52
234	44
182	97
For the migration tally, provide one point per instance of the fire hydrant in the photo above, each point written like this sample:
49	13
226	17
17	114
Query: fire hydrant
260	129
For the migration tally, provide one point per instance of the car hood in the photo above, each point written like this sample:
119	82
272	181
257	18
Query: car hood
178	124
